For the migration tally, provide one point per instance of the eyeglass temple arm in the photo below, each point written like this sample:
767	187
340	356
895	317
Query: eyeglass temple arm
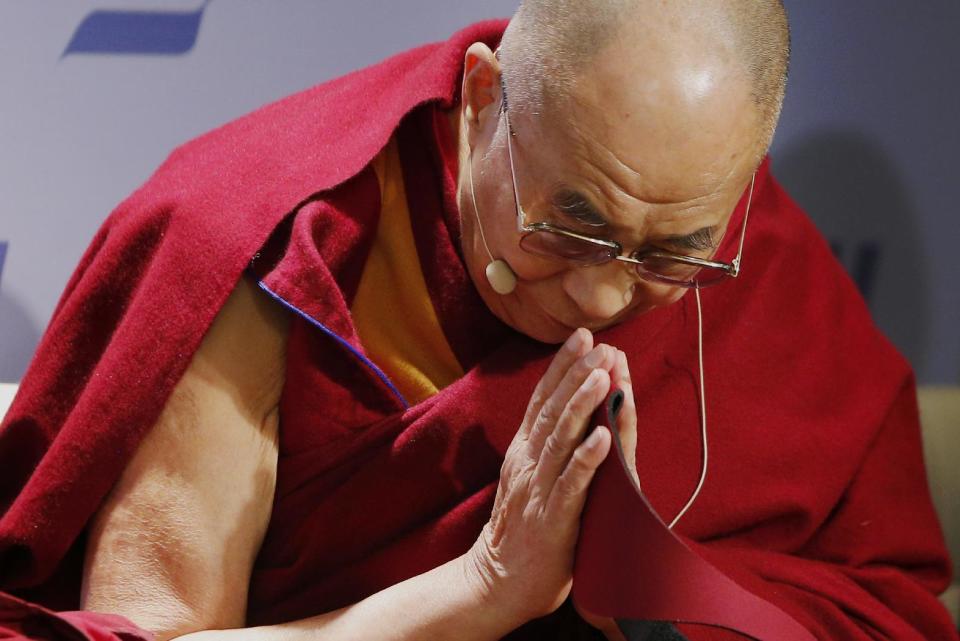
513	172
680	258
743	233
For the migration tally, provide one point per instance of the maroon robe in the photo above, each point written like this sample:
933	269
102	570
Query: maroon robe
816	501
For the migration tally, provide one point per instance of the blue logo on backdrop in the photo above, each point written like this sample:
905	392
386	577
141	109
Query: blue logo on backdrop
3	256
166	33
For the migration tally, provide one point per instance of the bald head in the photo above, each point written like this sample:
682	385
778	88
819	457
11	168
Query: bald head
550	44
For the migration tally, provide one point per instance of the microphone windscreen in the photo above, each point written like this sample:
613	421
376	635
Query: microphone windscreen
501	277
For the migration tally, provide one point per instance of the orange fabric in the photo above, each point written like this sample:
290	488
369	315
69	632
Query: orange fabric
392	310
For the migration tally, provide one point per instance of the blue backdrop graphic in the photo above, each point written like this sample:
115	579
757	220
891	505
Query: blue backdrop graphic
137	32
3	257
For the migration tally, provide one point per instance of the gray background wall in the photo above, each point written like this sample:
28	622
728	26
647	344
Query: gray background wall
867	143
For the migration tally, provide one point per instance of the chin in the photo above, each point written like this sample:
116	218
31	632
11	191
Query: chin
540	327
546	334
545	328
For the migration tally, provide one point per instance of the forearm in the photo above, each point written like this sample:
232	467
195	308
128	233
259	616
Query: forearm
444	603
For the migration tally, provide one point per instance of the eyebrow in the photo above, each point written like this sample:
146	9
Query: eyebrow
578	207
698	240
575	205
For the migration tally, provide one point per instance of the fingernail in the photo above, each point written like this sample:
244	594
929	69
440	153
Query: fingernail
594	439
574	340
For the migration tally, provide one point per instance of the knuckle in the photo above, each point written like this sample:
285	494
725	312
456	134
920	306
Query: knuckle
535	442
567	488
555	447
549	412
579	462
514	449
583	368
538	397
581	404
513	468
540	432
507	471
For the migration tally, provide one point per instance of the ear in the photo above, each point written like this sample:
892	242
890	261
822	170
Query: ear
480	98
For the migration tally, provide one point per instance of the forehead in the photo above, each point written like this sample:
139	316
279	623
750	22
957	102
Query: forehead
671	129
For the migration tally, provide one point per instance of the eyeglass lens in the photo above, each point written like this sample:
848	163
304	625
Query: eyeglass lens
568	248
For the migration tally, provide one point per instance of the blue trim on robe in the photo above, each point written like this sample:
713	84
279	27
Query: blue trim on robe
332	334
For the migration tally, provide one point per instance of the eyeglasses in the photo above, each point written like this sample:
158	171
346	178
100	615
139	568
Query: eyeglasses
546	239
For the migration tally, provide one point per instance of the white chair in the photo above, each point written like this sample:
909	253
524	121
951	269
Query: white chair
940	417
7	392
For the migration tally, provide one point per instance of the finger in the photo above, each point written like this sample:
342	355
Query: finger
569	494
568	434
517	457
600	357
578	344
627	419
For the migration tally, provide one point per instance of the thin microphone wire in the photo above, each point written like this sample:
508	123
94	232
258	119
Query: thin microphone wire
703	413
703	402
476	212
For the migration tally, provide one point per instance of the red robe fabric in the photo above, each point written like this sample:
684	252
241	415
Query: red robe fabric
816	499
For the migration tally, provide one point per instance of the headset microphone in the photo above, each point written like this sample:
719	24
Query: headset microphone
501	277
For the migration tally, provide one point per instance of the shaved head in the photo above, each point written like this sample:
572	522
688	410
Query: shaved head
550	44
640	122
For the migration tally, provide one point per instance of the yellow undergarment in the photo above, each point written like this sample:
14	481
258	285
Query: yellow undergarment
392	310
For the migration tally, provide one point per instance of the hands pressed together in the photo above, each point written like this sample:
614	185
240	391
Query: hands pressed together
523	559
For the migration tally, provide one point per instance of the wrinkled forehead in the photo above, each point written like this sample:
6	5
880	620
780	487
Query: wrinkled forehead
663	129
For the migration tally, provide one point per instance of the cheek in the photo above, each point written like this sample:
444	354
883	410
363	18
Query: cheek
500	226
530	268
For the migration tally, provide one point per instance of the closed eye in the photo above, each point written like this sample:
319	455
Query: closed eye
575	207
700	240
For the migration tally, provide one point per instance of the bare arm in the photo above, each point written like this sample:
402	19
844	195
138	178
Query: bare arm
445	603
173	546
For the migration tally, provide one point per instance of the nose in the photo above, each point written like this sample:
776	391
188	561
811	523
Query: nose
604	291
600	292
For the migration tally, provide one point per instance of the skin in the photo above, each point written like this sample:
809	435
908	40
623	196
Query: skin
662	146
173	546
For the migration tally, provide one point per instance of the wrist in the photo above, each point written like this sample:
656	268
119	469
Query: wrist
488	593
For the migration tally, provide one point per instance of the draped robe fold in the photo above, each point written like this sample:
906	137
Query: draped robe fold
816	499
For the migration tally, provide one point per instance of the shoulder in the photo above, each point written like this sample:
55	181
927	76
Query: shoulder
244	351
231	388
316	139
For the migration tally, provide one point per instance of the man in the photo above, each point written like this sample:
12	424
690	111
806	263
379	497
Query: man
357	438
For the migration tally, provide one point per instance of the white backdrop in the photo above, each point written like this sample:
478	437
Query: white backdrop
96	93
